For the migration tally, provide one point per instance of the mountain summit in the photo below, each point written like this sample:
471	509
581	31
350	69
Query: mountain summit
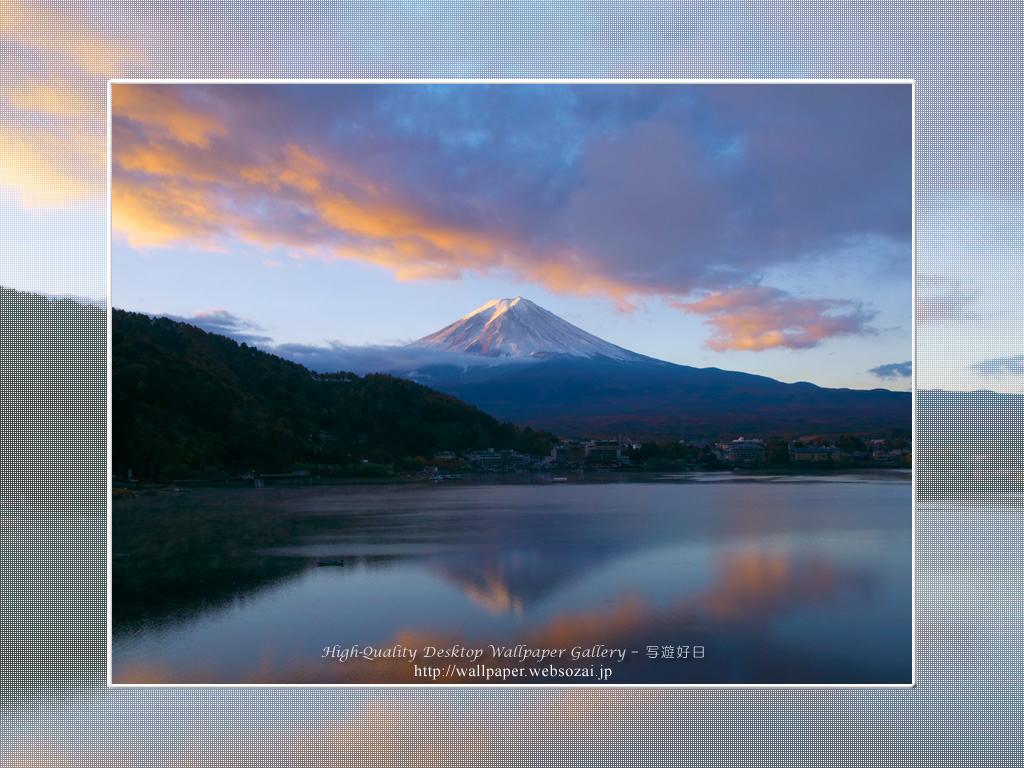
519	328
578	384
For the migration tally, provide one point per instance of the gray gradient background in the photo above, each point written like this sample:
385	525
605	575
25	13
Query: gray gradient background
56	710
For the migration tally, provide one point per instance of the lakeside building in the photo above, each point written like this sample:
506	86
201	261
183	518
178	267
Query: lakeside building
745	452
603	452
592	453
497	460
813	453
570	453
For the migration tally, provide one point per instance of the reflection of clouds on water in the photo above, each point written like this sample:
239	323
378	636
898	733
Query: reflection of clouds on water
296	727
750	592
753	586
285	727
288	728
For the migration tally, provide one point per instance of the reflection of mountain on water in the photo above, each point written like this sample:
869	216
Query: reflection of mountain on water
149	592
846	630
179	556
782	583
740	617
513	580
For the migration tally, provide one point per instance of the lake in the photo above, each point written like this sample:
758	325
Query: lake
718	578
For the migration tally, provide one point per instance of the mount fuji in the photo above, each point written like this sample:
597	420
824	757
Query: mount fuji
521	363
519	328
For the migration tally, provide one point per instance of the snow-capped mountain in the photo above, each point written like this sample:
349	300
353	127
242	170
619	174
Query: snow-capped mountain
519	328
577	384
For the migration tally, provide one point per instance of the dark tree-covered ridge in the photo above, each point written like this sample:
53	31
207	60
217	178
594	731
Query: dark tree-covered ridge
187	401
53	370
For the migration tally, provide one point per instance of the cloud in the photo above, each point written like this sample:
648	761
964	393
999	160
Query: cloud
1001	366
942	299
410	362
57	60
55	166
619	191
334	356
756	318
894	370
168	115
224	323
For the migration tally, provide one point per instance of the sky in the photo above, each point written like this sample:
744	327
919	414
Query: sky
765	228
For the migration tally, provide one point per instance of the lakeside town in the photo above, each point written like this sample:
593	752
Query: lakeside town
741	453
591	455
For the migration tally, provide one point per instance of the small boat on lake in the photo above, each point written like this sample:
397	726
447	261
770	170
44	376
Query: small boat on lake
330	562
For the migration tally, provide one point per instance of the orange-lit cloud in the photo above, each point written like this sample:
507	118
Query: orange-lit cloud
147	217
757	318
182	181
164	113
44	168
57	62
69	33
178	188
447	183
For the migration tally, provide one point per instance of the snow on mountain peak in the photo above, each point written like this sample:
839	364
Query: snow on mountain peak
519	328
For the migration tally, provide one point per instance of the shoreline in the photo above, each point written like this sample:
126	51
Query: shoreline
470	477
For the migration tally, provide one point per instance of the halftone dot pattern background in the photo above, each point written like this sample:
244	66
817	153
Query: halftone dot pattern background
57	57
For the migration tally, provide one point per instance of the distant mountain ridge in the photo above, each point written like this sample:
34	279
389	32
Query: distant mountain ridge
581	385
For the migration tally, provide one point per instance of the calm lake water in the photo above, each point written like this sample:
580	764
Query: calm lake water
771	579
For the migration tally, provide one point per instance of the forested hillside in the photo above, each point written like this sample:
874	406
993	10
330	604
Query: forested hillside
53	420
186	402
